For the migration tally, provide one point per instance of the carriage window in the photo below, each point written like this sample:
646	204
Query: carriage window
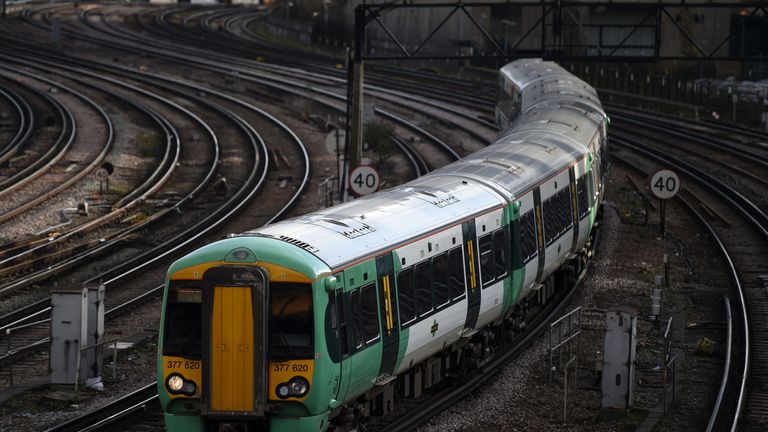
183	322
500	253
405	296
456	273
370	317
423	279
486	259
290	325
557	214
582	195
527	237
440	281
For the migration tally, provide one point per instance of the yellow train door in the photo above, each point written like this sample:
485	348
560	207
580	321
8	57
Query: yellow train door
232	350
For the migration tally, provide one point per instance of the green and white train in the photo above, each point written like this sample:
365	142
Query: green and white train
319	321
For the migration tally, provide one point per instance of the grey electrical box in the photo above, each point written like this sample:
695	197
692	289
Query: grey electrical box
77	321
618	379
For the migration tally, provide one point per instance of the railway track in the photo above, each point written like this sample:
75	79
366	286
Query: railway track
247	189
742	231
36	161
211	18
25	120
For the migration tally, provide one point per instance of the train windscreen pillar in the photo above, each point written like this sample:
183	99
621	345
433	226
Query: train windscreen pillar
618	380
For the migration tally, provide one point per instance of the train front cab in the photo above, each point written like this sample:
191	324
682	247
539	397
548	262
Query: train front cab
237	349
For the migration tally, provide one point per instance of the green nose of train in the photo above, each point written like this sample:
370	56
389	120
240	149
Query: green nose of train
239	342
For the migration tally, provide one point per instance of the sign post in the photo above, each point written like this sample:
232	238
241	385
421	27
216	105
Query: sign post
664	184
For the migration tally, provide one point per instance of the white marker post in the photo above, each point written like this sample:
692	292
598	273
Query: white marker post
364	180
664	184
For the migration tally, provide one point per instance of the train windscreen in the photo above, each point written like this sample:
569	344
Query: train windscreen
183	322
291	326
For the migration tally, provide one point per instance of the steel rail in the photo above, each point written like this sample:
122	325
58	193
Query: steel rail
85	171
418	163
241	202
741	205
260	81
322	79
726	367
107	414
46	161
26	124
168	163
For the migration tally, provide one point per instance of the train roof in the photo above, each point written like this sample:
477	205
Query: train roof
523	72
342	234
579	122
542	81
546	139
520	160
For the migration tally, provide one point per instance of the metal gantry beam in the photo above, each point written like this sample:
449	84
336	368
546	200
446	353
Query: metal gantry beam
646	39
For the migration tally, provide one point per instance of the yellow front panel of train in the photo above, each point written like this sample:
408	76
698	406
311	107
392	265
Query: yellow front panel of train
232	357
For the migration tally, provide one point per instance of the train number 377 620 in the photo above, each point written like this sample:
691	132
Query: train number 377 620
284	367
175	364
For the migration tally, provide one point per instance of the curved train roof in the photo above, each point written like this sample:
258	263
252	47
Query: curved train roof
341	234
544	81
540	144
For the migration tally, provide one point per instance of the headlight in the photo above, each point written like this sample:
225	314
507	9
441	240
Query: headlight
296	387
299	386
176	384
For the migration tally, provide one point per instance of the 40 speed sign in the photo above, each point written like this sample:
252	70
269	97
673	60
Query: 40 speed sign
664	184
364	180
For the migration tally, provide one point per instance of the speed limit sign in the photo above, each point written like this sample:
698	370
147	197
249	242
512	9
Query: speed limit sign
664	184
364	180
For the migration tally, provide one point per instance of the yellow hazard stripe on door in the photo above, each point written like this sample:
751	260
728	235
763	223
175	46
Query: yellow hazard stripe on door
388	304
472	276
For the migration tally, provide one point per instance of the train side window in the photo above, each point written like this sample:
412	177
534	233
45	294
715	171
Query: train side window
357	334
527	237
423	279
440	281
405	296
455	263
500	253
557	215
486	259
370	316
582	195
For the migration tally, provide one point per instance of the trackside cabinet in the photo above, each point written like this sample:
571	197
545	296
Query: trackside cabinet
77	321
618	380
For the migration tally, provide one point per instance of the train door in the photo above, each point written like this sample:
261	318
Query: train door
390	329
363	327
473	277
339	322
235	378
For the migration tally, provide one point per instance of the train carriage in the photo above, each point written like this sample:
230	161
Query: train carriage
321	320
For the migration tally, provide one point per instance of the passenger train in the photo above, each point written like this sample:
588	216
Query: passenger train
317	322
